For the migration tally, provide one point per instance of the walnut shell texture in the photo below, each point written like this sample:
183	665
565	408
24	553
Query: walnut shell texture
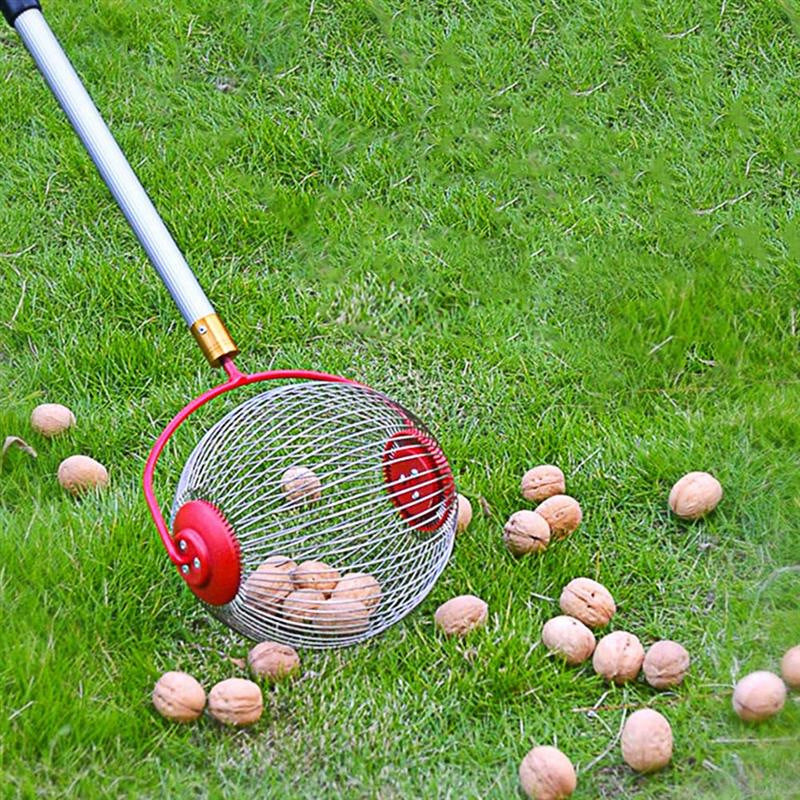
358	586
665	664
341	616
563	514
588	601
236	701
646	741
270	583
464	514
50	419
790	667
569	638
315	575
460	615
542	482
526	532
299	605
301	485
273	661
758	696
78	474
695	495
547	774
618	657
179	697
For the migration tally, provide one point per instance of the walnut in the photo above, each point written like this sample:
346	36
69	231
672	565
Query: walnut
665	664
542	482
358	586
460	615
301	485
790	667
563	514
464	514
273	661
50	419
78	474
618	657
179	697
315	575
588	601
236	701
526	532
568	637
695	495
758	696
646	741
341	616
270	583
547	774
299	605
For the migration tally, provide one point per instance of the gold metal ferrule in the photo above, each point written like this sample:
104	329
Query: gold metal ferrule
213	338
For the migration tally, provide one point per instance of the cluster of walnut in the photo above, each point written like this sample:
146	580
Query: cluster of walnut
556	516
761	695
313	594
77	474
646	738
618	657
177	696
585	604
646	743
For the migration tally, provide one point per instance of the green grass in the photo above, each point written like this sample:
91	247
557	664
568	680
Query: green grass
561	232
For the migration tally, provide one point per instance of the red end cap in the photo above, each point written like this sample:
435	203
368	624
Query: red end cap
210	557
419	479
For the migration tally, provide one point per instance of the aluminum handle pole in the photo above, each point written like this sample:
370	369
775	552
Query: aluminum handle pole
124	185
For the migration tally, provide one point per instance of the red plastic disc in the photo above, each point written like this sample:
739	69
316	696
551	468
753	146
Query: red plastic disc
419	479
210	558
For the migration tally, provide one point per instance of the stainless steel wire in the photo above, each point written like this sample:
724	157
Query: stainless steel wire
349	518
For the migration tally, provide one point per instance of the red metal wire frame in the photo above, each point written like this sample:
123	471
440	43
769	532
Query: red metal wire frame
236	379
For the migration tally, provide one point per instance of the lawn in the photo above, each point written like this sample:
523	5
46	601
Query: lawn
560	232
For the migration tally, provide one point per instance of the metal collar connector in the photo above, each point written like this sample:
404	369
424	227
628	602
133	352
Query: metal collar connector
214	339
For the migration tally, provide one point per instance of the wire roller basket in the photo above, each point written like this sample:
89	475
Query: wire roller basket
341	504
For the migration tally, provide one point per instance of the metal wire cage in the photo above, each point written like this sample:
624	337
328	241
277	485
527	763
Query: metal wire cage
342	505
